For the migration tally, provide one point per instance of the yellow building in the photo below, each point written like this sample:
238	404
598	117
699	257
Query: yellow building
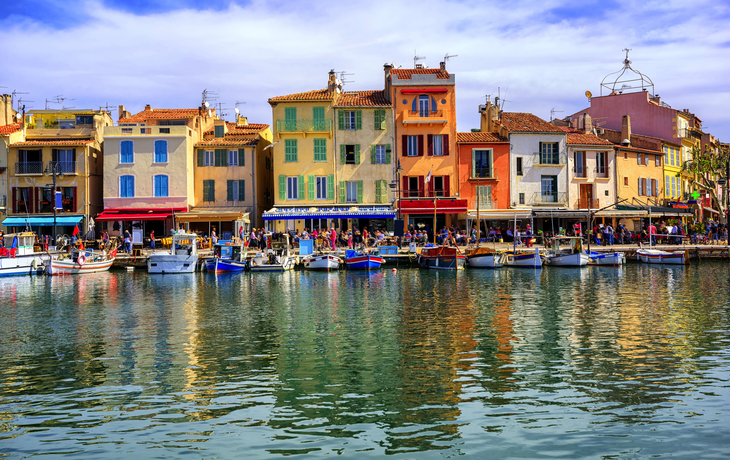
9	134
674	183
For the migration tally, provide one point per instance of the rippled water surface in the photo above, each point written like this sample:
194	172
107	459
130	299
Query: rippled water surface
509	364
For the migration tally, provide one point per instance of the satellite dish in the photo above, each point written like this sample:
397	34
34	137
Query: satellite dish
18	116
589	94
237	111
210	112
206	104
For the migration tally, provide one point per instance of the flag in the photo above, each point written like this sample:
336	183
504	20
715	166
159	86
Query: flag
76	230
113	253
428	176
14	246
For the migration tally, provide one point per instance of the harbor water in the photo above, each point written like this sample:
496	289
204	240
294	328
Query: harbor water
591	363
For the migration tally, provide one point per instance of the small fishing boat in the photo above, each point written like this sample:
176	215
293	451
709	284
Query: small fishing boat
181	258
656	256
479	257
321	262
363	260
571	254
227	257
606	258
80	262
522	258
17	256
442	258
278	258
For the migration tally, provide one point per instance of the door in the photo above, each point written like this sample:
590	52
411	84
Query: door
586	196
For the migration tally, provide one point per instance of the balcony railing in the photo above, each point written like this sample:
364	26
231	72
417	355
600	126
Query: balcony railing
29	167
550	159
62	167
483	205
425	114
601	172
538	199
580	172
585	203
307	125
3	201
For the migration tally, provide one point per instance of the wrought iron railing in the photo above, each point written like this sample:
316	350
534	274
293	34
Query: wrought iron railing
550	159
425	114
580	171
304	125
62	167
547	199
483	205
585	203
601	172
29	167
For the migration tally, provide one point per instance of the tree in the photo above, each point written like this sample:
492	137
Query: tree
709	165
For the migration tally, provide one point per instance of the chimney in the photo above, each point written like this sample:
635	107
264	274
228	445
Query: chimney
626	130
148	108
241	120
442	65
123	113
587	123
388	83
579	123
7	110
333	85
656	99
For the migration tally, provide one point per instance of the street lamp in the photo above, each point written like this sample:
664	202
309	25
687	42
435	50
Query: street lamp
54	169
396	186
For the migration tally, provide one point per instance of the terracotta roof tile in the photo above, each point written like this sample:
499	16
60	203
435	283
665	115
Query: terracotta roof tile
52	142
228	142
362	99
161	114
580	138
235	130
316	95
527	123
479	138
405	74
10	129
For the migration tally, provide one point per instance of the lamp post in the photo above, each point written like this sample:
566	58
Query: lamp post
52	169
396	186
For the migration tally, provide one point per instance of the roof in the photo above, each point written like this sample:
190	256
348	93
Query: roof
315	95
405	74
228	142
52	142
161	114
10	129
479	138
373	98
581	138
528	123
236	130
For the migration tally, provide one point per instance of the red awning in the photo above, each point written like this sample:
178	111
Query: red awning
424	91
127	217
426	206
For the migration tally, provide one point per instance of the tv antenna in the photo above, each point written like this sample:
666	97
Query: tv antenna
220	110
107	108
499	98
209	96
417	58
553	112
238	112
21	103
344	74
449	56
59	100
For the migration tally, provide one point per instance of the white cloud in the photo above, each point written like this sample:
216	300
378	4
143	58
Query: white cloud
253	52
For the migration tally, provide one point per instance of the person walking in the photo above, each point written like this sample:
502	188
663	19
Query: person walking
152	240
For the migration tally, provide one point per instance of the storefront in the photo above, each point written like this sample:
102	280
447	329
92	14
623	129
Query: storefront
138	222
43	225
227	221
282	218
420	214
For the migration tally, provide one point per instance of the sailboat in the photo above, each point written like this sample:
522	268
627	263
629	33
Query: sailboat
656	256
522	258
483	257
572	255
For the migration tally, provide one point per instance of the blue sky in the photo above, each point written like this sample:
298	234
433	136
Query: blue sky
540	55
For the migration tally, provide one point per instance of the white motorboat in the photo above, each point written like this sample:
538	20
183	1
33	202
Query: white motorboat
480	257
570	254
278	258
656	256
17	256
80	263
530	259
606	258
181	258
321	262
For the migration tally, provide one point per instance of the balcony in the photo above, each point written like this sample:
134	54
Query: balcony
304	125
580	172
586	203
29	167
424	117
553	199
601	172
484	205
3	201
62	167
550	159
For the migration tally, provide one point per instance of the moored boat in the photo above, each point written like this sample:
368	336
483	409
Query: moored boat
81	262
656	256
529	259
321	262
480	257
17	256
227	257
363	260
442	258
606	258
181	258
570	254
276	259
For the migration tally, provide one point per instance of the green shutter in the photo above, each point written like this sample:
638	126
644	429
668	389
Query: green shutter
290	150
241	190
331	187
342	192
340	119
290	113
359	191
241	157
376	116
372	154
229	191
377	191
320	149
357	154
282	188
224	157
358	119
218	154
300	183
382	120
343	155
201	157
387	154
310	183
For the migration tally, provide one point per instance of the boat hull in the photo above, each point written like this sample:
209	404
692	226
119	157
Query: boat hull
327	262
220	265
486	261
364	262
160	263
661	257
69	267
578	259
21	265
444	262
607	258
286	264
524	260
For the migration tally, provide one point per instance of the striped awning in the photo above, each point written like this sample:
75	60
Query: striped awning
330	212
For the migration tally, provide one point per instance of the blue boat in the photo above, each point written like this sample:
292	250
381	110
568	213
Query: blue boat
363	260
227	257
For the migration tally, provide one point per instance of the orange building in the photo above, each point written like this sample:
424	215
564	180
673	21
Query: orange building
423	102
484	170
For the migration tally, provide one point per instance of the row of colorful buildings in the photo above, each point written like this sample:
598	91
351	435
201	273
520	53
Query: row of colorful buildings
345	159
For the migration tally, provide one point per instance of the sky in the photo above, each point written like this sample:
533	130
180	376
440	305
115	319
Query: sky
539	55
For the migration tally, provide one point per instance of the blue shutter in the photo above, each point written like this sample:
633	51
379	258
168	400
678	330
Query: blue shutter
241	190
160	151
127	152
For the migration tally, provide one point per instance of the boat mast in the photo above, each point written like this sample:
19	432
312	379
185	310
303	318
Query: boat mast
479	222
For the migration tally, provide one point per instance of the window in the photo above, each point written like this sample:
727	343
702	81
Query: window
674	186
209	190
126	149
412	146
321	187
65	160
68	197
549	153
481	163
351	192
350	119
626	155
423	101
626	181
161	182
657	160
519	166
236	190
579	164
127	130
145	130
439	188
522	198
219	131
648	187
164	130
379	119
320	149
171	123
414	190
549	189
233	157
292	188
381	191
290	150
209	158
319	123
126	186
350	154
438	145
601	170
380	154
66	124
484	196
84	119
160	151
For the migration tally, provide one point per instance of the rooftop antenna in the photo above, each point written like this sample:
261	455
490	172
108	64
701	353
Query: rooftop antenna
209	96
499	98
238	112
220	110
60	100
417	58
553	112
21	102
14	93
107	108
449	56
344	74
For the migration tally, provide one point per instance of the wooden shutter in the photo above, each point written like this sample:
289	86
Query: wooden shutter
343	154
430	145
310	183
387	154
343	197
359	191
15	203
641	184
54	154
404	144
282	187
638	158
340	119
421	187
431	187
75	199
241	157
201	157
358	119
331	187
646	159
377	191
242	190
656	186
372	155
420	145
300	183
404	188
447	186
229	190
357	154
446	144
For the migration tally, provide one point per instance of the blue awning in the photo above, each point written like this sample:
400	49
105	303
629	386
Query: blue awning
330	212
45	221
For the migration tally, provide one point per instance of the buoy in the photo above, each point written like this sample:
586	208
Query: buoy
395	270
81	259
